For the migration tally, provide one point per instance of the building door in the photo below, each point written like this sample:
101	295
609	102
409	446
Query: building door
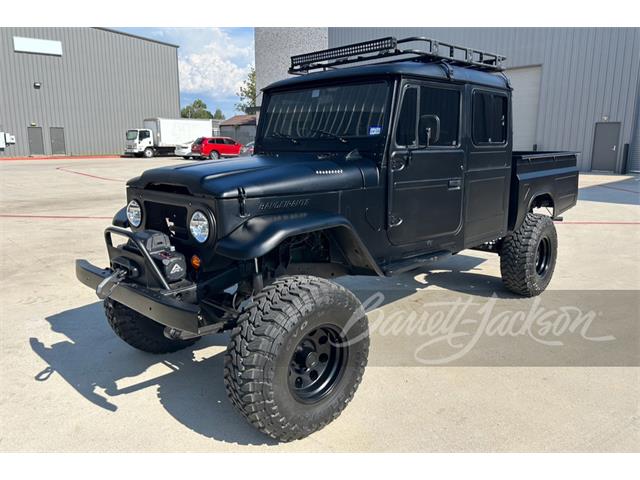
57	141
36	144
605	146
525	100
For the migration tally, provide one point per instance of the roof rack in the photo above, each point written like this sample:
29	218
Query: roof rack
388	48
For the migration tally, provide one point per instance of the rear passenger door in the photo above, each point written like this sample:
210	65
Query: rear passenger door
425	201
488	172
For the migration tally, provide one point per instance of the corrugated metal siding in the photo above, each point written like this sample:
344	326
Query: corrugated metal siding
587	73
634	151
103	84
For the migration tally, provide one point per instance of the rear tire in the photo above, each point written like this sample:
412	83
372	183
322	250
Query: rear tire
139	331
297	356
148	153
528	256
214	155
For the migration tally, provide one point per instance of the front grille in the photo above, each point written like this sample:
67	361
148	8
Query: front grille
169	219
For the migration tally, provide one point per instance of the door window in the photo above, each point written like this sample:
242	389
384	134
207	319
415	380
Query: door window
489	118
143	134
407	122
441	103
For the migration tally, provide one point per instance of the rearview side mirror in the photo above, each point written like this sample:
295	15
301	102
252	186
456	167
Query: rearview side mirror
429	129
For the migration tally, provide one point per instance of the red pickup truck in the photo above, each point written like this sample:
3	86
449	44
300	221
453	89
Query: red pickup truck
216	147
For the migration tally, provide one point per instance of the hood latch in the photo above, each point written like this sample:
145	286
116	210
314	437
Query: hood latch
242	200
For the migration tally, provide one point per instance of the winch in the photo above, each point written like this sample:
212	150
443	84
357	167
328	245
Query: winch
172	264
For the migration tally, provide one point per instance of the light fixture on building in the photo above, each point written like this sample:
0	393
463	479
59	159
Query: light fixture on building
37	85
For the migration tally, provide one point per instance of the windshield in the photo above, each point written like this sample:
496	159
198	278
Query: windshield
132	134
333	111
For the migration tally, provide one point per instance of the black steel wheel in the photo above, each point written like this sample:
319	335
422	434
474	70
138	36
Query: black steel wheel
297	356
528	256
317	363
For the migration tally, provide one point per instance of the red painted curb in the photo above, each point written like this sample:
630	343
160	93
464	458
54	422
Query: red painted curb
84	157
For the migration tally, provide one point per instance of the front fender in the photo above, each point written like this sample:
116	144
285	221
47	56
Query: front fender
259	235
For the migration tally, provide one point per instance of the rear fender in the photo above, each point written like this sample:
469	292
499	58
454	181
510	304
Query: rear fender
260	235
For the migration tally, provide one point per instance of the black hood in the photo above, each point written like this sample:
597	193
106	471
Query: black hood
264	175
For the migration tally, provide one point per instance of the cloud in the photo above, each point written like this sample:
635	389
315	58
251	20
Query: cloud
212	62
218	67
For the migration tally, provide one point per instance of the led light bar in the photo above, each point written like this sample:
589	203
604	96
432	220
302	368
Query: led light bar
378	46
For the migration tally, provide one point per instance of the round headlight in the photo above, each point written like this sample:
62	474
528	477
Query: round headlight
134	213
199	226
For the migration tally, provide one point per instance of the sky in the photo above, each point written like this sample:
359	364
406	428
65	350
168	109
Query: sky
213	62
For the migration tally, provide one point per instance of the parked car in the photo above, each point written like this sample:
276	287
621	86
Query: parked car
247	149
216	147
184	150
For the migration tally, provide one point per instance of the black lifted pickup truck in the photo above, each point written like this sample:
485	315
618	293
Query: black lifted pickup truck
367	169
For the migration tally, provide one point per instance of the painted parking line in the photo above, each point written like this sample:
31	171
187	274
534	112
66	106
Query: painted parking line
54	217
595	222
68	170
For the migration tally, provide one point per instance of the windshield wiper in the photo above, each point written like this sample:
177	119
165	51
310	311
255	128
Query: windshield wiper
284	135
329	134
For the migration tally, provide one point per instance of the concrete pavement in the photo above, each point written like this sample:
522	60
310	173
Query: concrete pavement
69	384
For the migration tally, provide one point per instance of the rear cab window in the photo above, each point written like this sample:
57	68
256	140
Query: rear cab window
489	118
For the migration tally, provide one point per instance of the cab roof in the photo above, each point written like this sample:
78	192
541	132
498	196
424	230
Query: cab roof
437	71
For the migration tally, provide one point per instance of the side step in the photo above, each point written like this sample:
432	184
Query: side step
406	264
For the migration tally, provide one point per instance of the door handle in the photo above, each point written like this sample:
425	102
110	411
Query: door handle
614	148
455	184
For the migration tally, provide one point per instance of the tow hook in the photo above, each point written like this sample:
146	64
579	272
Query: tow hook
106	286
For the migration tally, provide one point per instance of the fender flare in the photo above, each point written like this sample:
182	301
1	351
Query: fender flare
259	235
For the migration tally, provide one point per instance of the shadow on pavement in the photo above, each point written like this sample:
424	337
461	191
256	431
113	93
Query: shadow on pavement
94	361
624	192
458	273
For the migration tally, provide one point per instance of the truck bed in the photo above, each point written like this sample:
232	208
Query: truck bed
541	176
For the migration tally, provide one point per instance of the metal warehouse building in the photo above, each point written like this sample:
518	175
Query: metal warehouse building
574	88
75	91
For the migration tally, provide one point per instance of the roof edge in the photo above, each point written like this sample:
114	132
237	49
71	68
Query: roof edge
139	37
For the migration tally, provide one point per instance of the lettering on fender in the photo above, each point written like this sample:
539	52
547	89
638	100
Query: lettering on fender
276	204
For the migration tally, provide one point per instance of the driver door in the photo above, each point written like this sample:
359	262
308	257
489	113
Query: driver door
426	167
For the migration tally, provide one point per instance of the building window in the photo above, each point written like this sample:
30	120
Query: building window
37	45
489	118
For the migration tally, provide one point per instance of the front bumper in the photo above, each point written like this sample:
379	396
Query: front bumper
151	296
159	306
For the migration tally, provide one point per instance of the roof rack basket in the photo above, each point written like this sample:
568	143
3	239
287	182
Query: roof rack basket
388	48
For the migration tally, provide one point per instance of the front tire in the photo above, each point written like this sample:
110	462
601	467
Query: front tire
528	256
139	331
297	356
148	153
214	155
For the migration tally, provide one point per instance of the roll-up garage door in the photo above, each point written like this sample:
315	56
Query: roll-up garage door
525	100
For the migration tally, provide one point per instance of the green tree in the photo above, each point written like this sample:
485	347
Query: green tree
198	109
218	115
247	93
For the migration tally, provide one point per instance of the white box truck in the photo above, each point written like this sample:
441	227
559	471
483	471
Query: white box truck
162	135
